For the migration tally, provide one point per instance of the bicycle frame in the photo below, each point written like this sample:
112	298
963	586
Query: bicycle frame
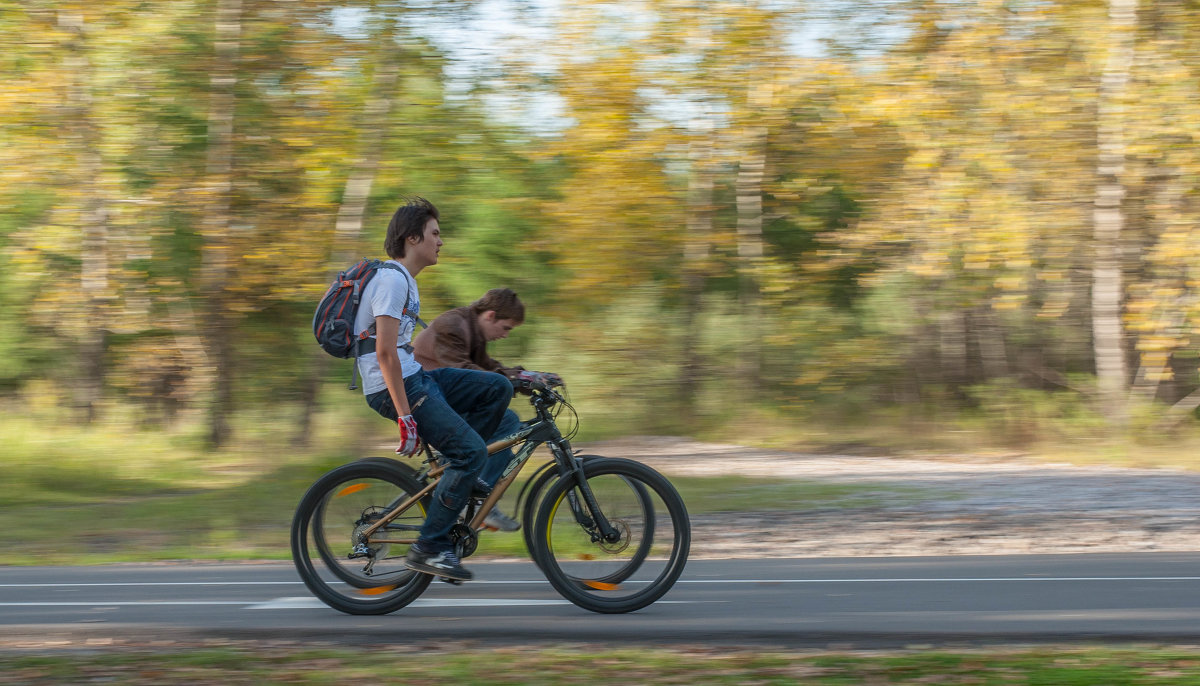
533	433
375	503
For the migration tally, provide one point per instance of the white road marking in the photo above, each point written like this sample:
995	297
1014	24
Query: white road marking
152	583
517	582
122	603
310	603
543	582
938	579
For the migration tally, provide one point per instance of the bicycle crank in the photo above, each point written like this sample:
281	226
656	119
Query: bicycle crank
465	540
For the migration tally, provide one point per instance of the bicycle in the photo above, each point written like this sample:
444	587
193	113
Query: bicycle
611	535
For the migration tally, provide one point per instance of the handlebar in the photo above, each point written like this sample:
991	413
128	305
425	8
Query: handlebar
543	397
529	385
549	403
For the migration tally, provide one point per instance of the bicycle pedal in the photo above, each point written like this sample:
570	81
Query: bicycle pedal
452	582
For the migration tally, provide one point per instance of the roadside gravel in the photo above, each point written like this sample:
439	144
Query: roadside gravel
935	506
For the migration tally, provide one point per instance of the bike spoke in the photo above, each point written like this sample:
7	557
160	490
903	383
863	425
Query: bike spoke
337	561
615	543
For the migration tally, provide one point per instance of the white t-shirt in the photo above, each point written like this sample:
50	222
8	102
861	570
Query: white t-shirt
388	293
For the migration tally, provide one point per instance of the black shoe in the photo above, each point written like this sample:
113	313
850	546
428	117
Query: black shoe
443	564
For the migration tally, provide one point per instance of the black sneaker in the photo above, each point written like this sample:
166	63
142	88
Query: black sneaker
443	564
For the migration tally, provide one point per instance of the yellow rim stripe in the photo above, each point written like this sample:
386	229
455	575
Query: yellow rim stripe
550	523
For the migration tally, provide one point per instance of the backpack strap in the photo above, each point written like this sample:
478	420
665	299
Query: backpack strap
366	338
365	344
407	312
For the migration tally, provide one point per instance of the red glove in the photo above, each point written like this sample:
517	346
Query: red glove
409	441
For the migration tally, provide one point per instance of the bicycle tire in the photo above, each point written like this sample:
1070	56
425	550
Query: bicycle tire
576	563
617	575
330	511
331	559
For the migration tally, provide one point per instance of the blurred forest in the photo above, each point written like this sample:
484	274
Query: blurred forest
945	210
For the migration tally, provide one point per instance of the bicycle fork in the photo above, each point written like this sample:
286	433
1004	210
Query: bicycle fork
596	524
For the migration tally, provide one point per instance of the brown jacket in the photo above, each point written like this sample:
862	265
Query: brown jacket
454	339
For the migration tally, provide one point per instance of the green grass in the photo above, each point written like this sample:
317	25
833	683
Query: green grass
117	493
250	520
1037	430
114	493
569	664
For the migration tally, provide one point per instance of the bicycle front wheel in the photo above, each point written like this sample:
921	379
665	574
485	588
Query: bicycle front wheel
359	579
533	492
618	543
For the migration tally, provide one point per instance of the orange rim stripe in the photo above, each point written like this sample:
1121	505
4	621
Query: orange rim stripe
377	590
351	489
599	585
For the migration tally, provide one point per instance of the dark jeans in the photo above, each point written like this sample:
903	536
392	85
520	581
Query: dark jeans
496	463
453	408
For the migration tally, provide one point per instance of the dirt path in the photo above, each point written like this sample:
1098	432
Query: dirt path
952	506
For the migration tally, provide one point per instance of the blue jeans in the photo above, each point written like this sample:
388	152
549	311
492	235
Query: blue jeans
453	408
494	467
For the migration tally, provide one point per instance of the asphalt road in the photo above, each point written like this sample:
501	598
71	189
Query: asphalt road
843	602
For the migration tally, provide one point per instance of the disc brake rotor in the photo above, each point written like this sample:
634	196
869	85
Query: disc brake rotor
621	543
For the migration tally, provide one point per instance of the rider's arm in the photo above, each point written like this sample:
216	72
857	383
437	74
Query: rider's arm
387	331
510	372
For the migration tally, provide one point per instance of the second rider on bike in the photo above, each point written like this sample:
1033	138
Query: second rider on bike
458	338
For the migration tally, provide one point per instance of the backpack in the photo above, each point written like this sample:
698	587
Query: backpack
333	323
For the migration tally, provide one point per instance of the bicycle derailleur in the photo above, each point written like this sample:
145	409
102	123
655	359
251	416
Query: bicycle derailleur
360	548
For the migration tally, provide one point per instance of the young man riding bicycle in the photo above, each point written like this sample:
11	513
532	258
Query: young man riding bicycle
450	408
458	338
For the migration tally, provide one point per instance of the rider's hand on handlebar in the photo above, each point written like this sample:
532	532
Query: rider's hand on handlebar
409	441
524	381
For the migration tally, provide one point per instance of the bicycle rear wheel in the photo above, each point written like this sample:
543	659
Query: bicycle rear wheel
639	561
325	531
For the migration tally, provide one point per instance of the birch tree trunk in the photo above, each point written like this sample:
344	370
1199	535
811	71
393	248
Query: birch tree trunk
349	225
348	229
1108	218
750	253
217	221
695	251
94	276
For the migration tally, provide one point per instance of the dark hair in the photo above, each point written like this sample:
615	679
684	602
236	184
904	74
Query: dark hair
409	220
504	302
